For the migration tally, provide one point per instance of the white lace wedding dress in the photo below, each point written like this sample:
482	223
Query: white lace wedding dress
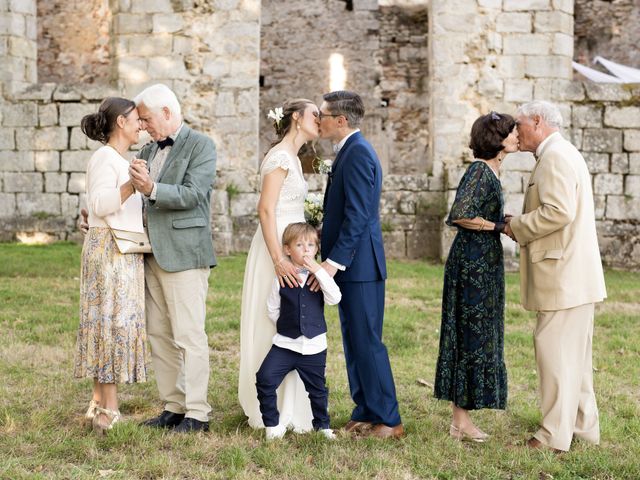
256	330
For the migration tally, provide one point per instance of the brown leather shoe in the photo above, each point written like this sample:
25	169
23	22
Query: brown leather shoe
383	431
534	444
354	426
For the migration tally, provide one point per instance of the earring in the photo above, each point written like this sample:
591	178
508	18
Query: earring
298	126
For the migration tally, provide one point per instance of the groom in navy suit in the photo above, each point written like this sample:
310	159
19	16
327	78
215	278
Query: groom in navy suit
353	252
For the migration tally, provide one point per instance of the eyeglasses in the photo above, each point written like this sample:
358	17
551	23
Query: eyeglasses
321	115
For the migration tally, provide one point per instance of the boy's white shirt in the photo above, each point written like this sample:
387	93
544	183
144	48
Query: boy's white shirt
302	344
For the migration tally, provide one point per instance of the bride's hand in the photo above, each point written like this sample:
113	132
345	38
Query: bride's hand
287	273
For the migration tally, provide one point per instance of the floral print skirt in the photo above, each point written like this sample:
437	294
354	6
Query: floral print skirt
112	340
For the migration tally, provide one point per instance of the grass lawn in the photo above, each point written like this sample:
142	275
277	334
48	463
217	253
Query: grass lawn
42	434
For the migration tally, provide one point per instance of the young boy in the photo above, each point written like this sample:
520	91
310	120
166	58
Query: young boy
301	340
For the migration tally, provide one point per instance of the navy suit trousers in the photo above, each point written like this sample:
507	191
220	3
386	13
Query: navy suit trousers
275	366
368	368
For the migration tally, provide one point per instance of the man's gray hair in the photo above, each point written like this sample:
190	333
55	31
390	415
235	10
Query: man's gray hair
157	97
546	110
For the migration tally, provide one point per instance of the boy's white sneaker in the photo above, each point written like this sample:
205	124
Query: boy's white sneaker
275	433
328	433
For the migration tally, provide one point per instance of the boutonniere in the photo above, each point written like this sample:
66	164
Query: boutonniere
322	166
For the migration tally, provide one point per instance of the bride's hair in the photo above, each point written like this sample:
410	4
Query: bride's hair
288	109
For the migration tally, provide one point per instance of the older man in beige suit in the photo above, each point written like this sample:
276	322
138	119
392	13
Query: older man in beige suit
560	277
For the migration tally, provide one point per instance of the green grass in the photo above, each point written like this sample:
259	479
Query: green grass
42	434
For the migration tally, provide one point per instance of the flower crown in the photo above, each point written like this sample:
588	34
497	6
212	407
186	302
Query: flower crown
276	115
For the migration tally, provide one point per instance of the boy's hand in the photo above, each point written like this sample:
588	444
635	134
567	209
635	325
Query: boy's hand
310	264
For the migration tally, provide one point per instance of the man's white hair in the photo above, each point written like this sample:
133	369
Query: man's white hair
546	110
158	96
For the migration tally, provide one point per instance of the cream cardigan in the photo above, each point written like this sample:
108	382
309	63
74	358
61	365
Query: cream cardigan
106	172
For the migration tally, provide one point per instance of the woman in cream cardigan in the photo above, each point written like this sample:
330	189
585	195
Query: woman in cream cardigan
111	344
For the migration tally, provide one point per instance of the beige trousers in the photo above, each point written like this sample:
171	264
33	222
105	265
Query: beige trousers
562	342
176	310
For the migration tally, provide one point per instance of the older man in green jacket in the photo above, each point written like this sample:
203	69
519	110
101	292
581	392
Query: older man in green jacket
176	173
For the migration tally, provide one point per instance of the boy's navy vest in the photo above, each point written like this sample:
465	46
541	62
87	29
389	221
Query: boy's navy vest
301	312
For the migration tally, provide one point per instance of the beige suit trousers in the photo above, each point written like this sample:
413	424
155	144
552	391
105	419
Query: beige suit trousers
176	311
563	342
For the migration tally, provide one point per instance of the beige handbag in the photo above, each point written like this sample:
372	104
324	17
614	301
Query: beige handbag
131	242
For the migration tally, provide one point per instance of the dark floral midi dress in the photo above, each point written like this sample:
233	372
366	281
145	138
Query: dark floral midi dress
470	371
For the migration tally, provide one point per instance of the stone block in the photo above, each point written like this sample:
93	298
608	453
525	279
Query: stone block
167	67
510	66
596	162
586	116
23	47
632	140
7	139
608	184
575	137
12	24
126	23
22	6
395	243
220	202
66	93
564	5
22	182
41	203
75	161
167	23
55	182
229	4
47	115
453	176
78	140
31	28
634	163
149	46
72	113
183	45
602	140
571	91
619	163
554	21
16	161
134	70
97	93
518	91
526	5
632	185
562	44
46	138
548	66
69	205
20	115
514	23
495	4
225	104
527	44
620	207
151	6
490	84
606	92
77	183
243	204
519	161
512	181
599	205
513	203
7	205
622	117
47	161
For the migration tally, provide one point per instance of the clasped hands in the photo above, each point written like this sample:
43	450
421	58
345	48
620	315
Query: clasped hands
507	228
140	176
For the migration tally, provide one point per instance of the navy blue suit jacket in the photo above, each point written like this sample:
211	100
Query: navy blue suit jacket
351	232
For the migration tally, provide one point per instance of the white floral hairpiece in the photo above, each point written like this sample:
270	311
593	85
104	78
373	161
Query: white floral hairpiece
276	115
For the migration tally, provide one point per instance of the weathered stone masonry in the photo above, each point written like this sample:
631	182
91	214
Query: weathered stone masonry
480	55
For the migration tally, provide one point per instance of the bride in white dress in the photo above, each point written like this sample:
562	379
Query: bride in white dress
283	190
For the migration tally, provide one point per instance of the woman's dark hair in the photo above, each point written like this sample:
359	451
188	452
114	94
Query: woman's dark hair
488	132
98	126
344	102
286	122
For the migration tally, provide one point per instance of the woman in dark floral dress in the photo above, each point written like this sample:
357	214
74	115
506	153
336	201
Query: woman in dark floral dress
471	372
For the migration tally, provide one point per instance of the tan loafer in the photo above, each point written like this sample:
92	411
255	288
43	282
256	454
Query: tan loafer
383	431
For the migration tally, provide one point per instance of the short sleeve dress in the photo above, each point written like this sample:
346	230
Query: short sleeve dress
471	371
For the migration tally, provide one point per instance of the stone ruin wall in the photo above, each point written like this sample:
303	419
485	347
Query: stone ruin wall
483	55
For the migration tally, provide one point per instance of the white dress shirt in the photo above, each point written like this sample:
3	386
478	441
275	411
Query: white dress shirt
302	344
158	163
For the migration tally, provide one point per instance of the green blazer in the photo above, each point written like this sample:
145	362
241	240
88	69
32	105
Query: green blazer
179	220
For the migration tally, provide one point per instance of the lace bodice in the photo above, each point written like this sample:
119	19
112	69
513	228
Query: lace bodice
294	188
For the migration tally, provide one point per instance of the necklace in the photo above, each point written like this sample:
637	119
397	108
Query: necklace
119	152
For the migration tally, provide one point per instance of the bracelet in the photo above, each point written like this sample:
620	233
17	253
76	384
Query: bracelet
482	224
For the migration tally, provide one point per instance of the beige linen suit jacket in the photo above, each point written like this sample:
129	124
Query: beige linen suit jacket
560	265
